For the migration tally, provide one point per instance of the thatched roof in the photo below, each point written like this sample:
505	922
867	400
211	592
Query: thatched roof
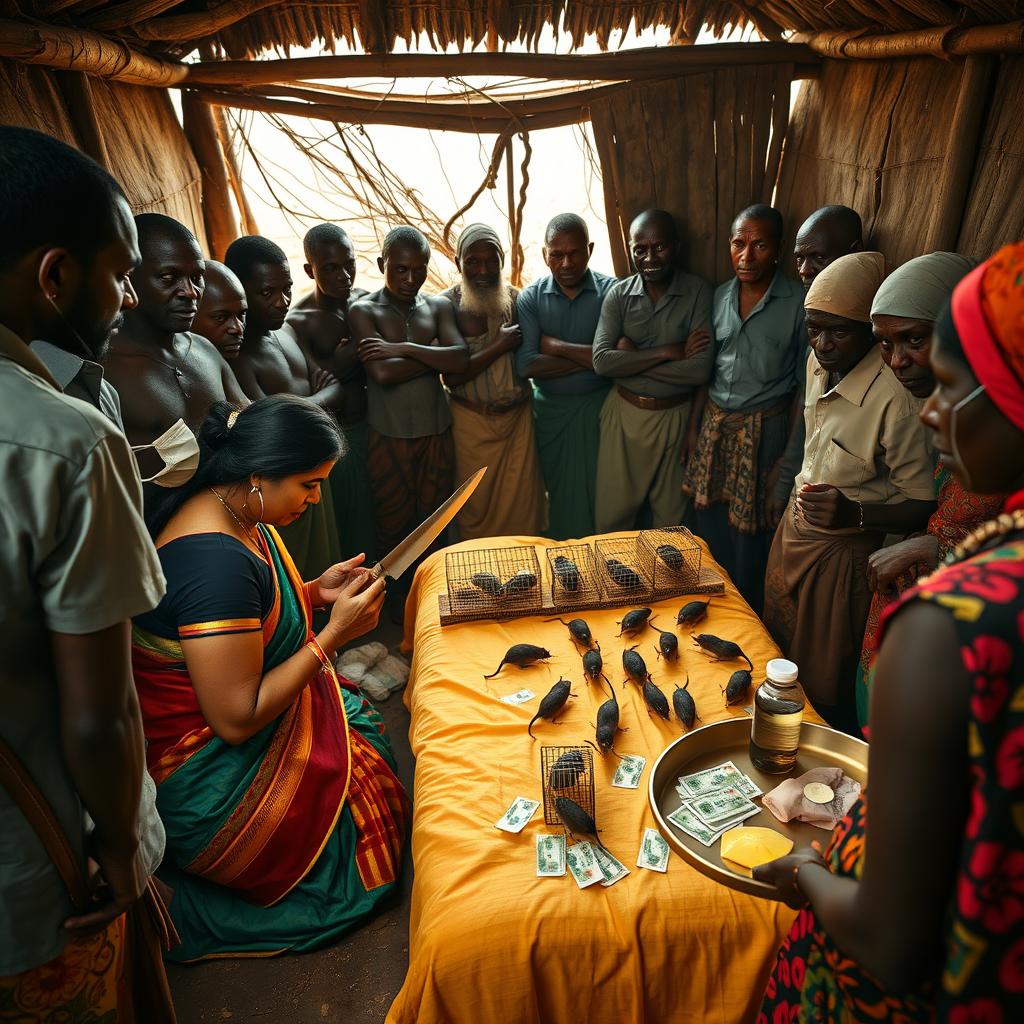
245	28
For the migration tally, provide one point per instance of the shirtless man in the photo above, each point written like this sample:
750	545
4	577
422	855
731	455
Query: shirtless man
405	341
320	322
272	363
161	370
222	309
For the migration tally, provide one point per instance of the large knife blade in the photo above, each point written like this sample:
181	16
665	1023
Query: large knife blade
401	557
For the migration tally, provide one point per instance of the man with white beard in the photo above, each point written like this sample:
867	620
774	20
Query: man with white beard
491	406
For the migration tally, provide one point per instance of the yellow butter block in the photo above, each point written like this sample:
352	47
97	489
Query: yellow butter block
752	846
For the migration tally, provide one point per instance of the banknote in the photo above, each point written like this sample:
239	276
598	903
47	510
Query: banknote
583	864
550	855
710	780
519	697
611	869
516	817
688	822
720	806
629	772
653	851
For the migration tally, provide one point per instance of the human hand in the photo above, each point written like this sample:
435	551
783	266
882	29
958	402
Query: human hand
781	875
377	348
826	506
117	881
698	342
508	337
624	344
355	611
320	379
328	586
887	564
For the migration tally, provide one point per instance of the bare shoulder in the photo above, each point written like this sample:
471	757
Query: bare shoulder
440	303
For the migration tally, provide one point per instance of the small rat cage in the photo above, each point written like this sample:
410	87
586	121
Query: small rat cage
670	559
493	583
575	582
623	576
569	772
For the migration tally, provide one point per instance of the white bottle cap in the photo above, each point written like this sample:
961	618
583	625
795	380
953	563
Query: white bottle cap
780	670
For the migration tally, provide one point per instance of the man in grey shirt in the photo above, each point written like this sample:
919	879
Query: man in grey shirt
76	562
654	341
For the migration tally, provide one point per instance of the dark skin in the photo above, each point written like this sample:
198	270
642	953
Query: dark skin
905	345
271	362
480	267
320	321
567	255
821	240
398	338
839	344
754	250
891	921
653	244
75	303
222	310
156	338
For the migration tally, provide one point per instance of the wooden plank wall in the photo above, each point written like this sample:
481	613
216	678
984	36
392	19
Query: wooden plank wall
140	140
702	147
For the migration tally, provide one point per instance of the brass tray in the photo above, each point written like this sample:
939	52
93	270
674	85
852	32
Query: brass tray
712	744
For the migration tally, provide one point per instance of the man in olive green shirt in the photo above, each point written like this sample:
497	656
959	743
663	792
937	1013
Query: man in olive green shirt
654	341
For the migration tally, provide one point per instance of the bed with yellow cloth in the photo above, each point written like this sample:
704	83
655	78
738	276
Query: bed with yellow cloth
490	943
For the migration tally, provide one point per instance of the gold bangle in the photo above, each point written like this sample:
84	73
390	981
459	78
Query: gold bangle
313	644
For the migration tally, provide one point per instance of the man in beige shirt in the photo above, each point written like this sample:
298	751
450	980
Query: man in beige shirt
491	405
867	471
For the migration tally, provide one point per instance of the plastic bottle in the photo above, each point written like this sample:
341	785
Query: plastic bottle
778	713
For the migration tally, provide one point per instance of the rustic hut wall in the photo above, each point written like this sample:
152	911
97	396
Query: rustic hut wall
145	148
898	140
702	147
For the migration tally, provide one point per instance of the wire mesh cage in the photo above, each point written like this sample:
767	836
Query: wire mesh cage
622	575
493	580
670	558
575	582
568	772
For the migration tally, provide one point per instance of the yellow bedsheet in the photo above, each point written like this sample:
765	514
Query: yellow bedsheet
490	942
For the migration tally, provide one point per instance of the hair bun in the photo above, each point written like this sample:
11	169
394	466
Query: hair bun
215	430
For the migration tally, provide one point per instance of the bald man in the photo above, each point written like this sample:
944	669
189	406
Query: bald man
654	341
161	369
222	309
320	323
828	233
491	405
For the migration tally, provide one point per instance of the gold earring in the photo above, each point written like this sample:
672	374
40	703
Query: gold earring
255	490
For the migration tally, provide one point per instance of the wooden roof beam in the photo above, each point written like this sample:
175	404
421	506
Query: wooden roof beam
646	63
182	28
949	41
74	49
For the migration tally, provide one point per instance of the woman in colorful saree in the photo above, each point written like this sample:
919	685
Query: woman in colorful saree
275	781
903	314
916	910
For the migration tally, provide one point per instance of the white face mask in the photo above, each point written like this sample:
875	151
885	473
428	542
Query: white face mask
179	449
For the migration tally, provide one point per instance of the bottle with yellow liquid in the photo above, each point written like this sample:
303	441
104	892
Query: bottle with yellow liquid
778	713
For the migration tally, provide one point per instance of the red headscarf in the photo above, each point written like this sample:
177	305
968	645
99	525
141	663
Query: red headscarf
988	311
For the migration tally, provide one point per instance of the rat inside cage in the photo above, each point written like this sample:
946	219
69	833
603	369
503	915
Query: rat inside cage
574	576
670	557
494	581
621	571
566	771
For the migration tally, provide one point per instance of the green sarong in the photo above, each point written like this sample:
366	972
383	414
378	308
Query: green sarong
568	436
353	497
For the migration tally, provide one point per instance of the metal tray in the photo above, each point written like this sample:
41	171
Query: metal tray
712	744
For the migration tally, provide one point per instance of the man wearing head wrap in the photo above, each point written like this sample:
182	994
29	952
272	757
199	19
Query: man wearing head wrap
491	406
867	471
903	316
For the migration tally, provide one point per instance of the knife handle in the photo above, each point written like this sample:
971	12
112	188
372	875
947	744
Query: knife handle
377	571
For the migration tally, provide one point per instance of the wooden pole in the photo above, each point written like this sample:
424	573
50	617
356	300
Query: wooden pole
77	92
249	224
653	62
218	213
946	41
73	49
124	15
181	28
961	153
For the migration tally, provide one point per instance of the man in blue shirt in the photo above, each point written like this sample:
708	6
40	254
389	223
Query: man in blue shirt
558	317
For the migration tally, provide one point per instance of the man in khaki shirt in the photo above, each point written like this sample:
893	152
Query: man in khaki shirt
867	471
76	563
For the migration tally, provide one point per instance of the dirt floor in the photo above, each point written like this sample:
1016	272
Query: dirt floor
354	981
